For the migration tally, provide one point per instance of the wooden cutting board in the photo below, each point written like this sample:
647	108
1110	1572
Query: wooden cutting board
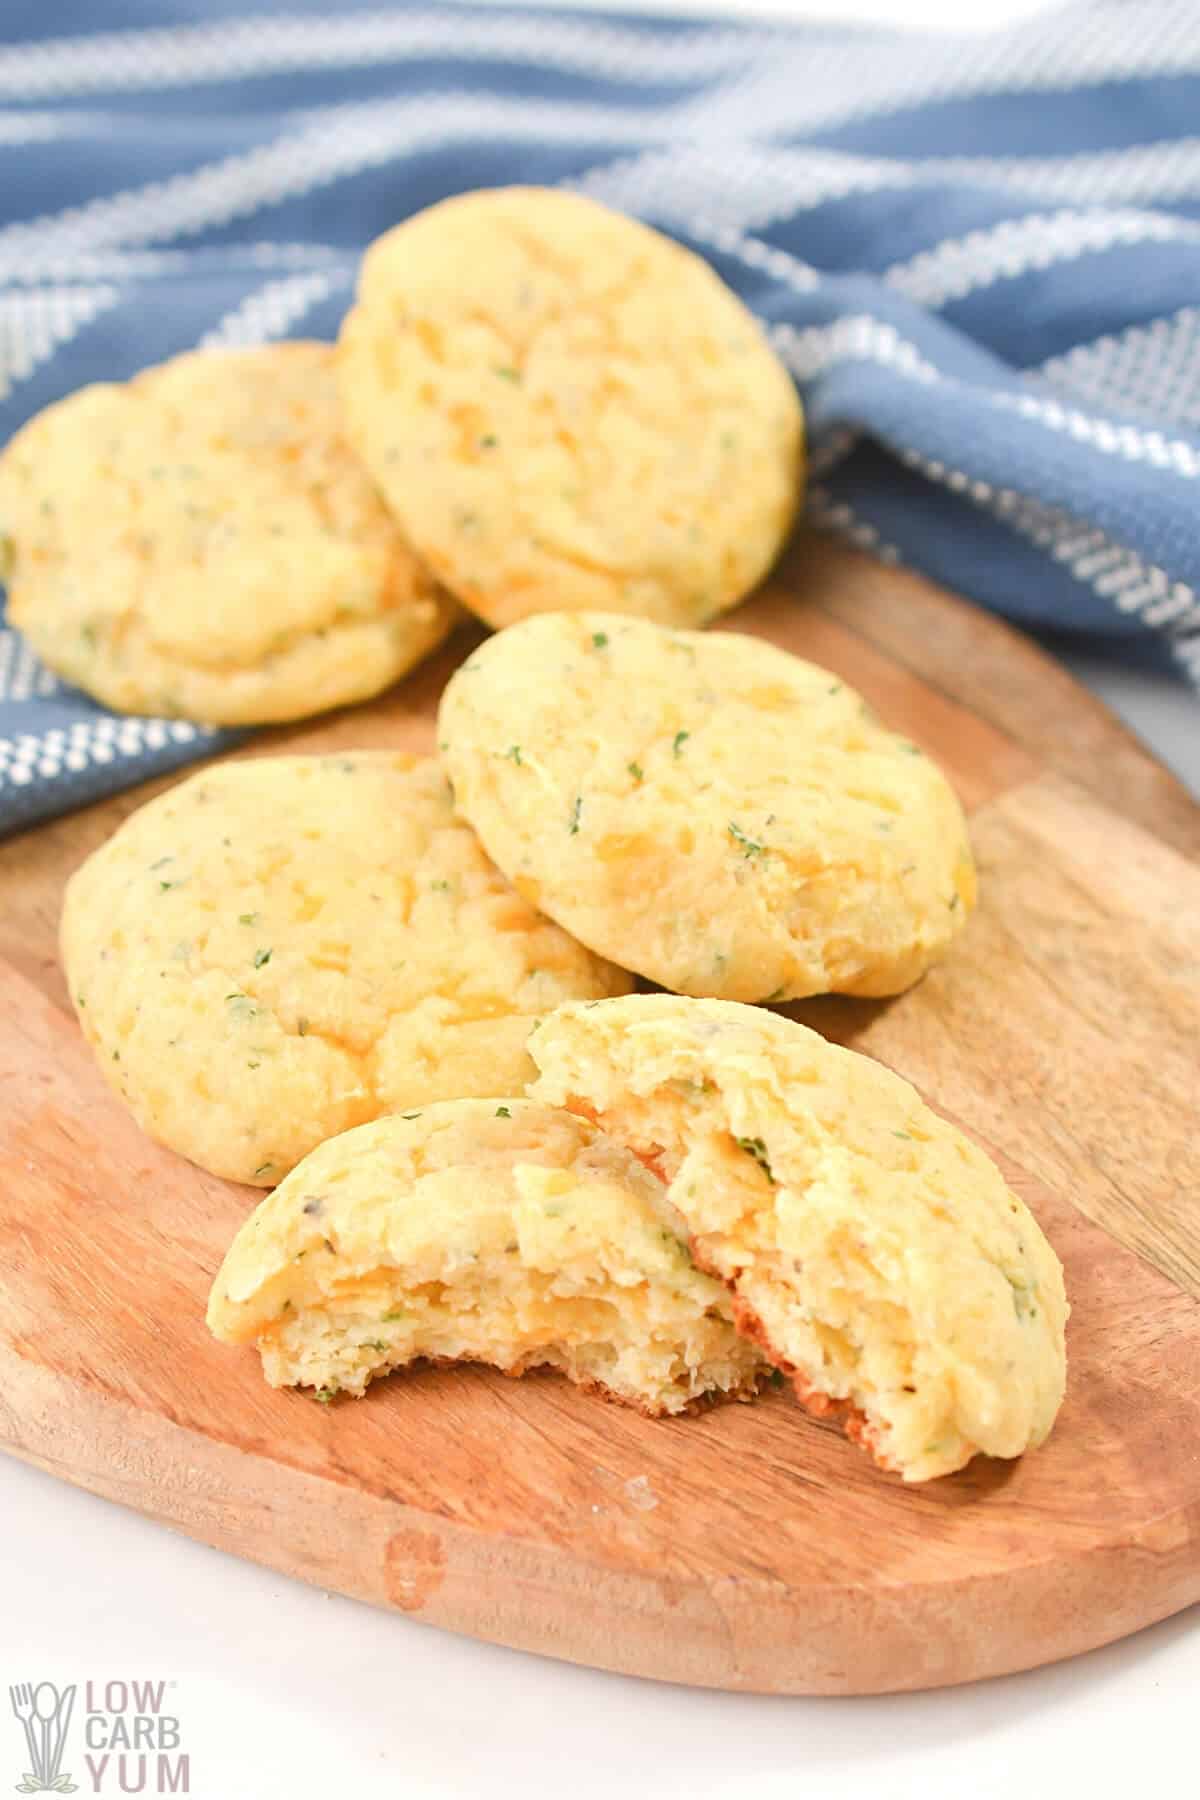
751	1547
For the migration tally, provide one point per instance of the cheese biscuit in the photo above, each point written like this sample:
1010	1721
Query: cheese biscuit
510	1234
873	1251
565	409
278	949
725	819
200	543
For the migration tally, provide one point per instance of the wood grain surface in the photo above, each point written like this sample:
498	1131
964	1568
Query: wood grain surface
751	1547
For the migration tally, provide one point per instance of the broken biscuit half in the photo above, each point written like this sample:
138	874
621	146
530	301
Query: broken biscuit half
508	1233
874	1252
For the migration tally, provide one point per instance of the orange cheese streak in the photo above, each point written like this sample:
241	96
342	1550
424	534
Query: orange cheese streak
858	1427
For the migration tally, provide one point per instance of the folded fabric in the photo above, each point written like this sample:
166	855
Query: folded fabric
980	257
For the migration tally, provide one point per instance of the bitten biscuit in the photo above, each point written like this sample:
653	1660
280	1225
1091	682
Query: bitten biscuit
201	543
872	1250
727	820
279	949
565	409
509	1233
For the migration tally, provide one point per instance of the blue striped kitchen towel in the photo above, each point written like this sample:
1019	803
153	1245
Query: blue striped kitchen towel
980	257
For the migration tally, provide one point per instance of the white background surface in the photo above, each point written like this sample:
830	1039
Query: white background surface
284	1691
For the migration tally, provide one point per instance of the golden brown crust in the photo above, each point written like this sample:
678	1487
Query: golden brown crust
854	1421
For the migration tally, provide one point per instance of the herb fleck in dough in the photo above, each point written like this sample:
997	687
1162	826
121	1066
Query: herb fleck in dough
566	410
725	819
515	1235
284	947
874	1252
200	543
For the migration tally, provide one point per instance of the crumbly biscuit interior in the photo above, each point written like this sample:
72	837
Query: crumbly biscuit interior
549	1252
930	1336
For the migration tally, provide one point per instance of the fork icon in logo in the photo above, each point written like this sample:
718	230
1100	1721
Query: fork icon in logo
45	1713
